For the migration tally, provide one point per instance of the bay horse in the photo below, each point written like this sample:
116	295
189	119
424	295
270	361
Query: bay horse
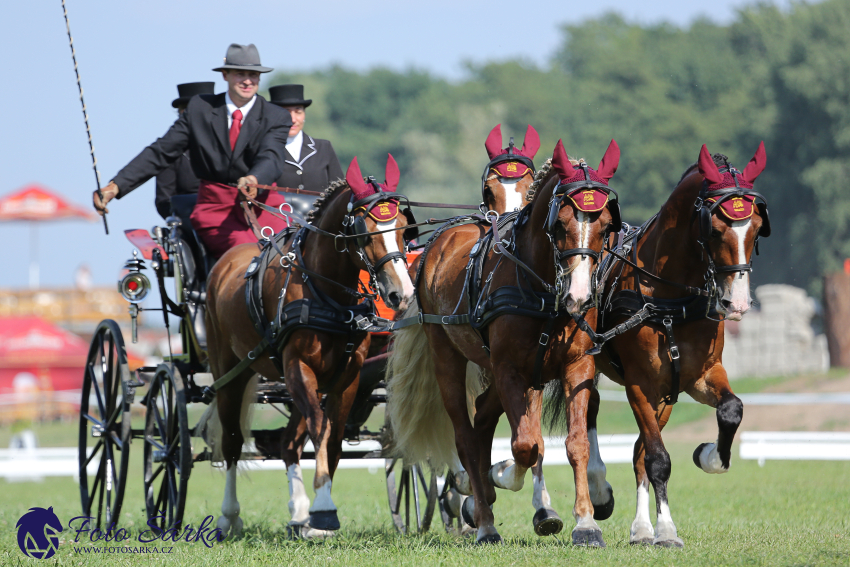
310	286
556	240
684	269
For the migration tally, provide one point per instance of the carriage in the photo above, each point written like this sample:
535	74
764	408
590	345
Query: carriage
171	445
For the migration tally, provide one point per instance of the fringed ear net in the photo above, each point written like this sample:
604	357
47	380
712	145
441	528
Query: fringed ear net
561	162
756	165
531	142
493	144
610	161
707	166
355	180
393	174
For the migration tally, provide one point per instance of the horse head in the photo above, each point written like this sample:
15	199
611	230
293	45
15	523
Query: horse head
377	219
729	224
582	211
510	172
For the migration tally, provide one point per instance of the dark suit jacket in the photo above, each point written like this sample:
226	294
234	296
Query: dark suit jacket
202	130
177	179
314	169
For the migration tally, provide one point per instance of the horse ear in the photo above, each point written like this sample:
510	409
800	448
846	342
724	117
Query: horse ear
756	165
707	166
610	161
355	179
561	162
393	174
493	144
531	142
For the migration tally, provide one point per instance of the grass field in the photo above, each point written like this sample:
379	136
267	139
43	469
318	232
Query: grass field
786	513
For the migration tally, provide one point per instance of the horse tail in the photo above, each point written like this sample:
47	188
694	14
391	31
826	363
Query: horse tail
420	426
209	425
555	408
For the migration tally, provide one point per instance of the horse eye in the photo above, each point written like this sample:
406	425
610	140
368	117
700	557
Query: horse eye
715	233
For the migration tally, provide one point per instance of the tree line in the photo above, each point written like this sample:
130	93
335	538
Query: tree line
778	75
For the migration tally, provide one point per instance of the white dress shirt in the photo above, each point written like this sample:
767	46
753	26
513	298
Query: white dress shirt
231	108
293	145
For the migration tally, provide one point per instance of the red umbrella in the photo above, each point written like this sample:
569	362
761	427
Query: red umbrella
37	203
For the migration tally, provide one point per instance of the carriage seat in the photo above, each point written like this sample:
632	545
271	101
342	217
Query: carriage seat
196	263
301	204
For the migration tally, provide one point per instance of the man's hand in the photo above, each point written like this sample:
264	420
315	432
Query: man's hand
243	185
109	193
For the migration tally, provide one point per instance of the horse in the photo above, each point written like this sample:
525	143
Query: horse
556	241
509	173
679	275
319	338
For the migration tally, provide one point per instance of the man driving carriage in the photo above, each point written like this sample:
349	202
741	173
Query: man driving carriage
235	140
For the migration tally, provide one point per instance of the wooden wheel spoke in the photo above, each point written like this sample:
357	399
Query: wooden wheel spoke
153	442
415	484
94	451
155	474
94	420
98	396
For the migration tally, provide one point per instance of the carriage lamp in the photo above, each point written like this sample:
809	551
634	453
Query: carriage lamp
134	286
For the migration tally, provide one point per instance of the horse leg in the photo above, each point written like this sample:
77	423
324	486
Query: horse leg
601	492
714	390
294	437
642	531
229	404
546	520
450	369
656	468
578	385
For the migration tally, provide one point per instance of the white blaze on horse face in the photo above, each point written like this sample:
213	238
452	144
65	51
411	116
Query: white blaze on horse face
391	244
299	502
579	291
513	199
323	501
738	294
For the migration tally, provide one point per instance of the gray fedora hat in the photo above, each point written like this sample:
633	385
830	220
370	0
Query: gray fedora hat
243	58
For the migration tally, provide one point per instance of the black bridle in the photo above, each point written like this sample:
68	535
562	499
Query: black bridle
503	158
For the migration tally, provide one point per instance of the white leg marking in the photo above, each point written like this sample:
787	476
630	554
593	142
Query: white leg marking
513	199
586	523
485	531
665	530
323	501
391	244
229	521
508	475
299	502
599	488
642	525
454	501
709	460
540	499
461	479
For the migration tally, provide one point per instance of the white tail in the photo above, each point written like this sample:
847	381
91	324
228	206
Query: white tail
421	427
209	426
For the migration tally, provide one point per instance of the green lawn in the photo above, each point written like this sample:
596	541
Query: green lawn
786	513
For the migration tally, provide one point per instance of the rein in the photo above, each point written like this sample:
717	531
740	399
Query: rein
319	194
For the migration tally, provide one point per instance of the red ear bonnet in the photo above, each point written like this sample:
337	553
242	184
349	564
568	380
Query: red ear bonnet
355	180
756	165
531	142
707	167
493	144
561	162
610	161
393	174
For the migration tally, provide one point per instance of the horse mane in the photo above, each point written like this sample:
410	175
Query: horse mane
324	198
720	160
542	176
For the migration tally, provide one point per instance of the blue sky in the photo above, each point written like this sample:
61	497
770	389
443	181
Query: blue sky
133	54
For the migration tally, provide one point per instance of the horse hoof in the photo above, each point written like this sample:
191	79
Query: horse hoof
327	521
467	512
588	538
673	542
642	541
547	522
697	453
604	511
230	529
306	532
489	539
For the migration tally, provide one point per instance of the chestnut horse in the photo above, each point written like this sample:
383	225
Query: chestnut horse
321	366
693	261
557	240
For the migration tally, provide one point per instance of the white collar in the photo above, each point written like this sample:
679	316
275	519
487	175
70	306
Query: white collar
231	108
294	143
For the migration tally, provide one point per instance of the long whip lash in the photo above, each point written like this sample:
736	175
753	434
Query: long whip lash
85	112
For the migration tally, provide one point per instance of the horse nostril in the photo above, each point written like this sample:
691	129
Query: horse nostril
725	303
394	298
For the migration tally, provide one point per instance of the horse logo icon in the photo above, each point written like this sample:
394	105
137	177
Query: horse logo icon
38	533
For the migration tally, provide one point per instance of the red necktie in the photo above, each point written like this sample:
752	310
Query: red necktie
235	127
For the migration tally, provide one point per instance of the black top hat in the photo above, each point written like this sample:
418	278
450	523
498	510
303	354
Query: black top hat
243	58
288	95
188	90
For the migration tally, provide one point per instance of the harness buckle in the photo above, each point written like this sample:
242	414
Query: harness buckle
349	347
674	352
445	319
698	203
544	339
421	318
344	243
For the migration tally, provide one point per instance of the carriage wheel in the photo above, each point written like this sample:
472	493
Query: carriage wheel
406	483
168	449
104	443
